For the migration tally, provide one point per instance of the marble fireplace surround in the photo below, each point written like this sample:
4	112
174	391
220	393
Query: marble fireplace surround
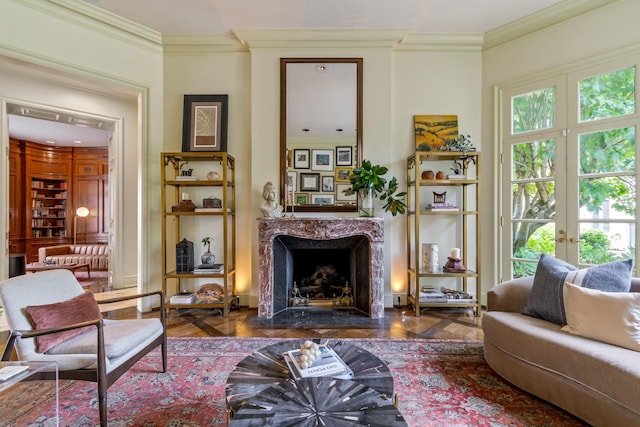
273	278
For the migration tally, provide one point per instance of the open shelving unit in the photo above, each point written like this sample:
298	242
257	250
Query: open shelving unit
194	225
458	227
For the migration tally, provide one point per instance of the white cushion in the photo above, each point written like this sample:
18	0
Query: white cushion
610	317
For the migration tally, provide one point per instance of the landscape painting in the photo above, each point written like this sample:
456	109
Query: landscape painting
433	131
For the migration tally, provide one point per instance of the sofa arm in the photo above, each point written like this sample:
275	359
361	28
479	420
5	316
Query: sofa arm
46	251
510	296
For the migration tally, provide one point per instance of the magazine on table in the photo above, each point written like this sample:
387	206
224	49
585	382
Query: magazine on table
329	364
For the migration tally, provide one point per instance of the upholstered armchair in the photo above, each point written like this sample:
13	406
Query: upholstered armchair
51	318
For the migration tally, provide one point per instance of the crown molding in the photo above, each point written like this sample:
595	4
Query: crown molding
320	38
544	18
99	20
177	44
440	42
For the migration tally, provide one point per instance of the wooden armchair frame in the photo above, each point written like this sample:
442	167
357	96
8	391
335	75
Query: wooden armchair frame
99	375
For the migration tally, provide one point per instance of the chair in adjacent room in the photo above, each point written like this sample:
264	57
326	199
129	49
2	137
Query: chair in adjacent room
52	318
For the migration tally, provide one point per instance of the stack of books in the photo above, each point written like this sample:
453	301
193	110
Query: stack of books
455	297
431	295
329	364
456	176
184	297
209	269
442	207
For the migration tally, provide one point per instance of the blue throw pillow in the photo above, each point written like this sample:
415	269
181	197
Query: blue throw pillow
546	300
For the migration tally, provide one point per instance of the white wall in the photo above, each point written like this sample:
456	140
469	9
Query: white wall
577	42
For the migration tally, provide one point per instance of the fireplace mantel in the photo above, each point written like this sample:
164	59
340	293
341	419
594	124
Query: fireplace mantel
315	228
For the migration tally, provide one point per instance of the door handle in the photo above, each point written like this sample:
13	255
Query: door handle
574	240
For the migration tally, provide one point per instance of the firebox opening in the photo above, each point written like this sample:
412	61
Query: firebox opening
321	274
320	270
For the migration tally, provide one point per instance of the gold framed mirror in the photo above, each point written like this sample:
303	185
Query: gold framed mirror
320	132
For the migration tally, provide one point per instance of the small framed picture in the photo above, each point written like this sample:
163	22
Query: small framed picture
292	184
204	123
322	199
301	159
309	181
343	174
327	184
344	156
302	199
341	196
322	160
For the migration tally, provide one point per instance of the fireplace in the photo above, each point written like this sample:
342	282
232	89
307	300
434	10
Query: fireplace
321	255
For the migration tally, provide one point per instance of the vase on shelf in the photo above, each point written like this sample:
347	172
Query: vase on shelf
208	258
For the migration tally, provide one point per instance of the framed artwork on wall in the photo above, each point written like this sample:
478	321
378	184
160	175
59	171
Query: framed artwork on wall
433	131
327	184
322	160
204	122
301	159
340	193
302	199
309	181
322	199
292	183
343	174
344	156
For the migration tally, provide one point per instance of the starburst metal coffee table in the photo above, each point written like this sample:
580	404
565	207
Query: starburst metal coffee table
261	387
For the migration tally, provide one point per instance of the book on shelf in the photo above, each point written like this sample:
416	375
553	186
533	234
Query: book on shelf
183	298
442	207
209	210
456	176
329	364
209	269
186	178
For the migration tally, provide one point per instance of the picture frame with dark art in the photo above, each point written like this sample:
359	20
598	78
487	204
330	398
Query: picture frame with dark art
309	181
301	159
344	156
322	160
204	123
302	199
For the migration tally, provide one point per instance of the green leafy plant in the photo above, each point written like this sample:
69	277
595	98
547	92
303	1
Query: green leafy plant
206	241
371	177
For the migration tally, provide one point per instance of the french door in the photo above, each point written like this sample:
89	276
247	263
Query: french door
569	173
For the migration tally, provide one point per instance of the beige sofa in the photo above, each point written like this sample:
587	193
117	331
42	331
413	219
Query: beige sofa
597	382
94	255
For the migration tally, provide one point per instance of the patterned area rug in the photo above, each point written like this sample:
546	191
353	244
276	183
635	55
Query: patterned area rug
438	383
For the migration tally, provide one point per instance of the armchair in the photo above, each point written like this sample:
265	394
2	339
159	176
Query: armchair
101	352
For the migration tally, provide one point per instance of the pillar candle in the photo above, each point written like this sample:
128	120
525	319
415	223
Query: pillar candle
455	253
185	196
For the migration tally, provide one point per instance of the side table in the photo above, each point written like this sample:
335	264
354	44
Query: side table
19	393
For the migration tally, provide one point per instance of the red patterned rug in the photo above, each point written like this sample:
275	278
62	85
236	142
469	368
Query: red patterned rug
438	383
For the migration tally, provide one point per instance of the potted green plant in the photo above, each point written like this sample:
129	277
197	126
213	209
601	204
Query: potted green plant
368	182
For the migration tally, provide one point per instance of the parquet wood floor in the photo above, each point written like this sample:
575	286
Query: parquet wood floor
440	323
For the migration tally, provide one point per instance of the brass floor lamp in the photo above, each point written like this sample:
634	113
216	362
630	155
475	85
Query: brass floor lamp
81	212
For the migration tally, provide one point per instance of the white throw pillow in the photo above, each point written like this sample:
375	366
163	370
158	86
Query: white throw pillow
611	317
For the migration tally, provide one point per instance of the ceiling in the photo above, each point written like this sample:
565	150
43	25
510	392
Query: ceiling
222	17
418	16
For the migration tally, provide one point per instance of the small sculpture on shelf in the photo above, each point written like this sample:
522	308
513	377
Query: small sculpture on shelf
270	209
454	263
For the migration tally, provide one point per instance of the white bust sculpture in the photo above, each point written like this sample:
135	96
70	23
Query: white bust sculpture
270	209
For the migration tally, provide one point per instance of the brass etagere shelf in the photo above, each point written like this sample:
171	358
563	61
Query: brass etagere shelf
419	218
220	222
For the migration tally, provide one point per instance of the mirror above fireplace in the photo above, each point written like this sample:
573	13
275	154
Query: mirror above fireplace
320	132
